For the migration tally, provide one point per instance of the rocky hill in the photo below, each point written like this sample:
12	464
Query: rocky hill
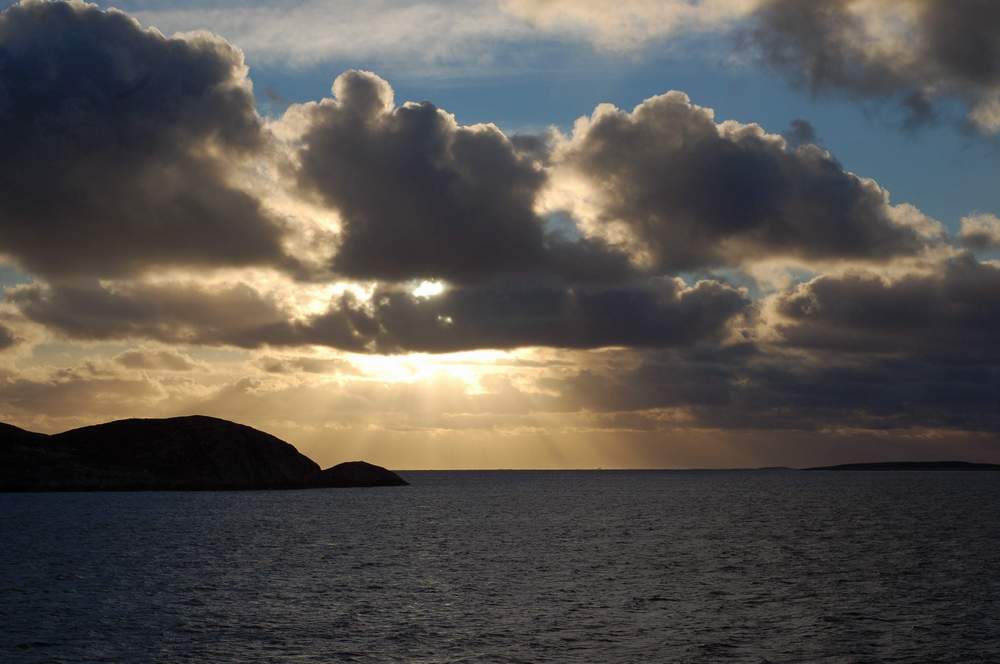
912	465
193	452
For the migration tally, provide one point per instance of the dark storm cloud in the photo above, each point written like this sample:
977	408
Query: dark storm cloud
661	313
951	313
950	48
117	146
699	194
421	196
855	352
746	387
917	350
700	377
890	393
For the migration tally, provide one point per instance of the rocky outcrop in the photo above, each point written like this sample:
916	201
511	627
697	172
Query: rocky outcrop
194	452
913	465
358	473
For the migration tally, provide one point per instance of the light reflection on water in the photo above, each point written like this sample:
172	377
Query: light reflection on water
513	567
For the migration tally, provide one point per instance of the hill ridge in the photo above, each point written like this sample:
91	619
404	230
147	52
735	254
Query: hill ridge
175	453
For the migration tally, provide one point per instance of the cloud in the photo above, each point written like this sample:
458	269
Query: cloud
452	423
440	37
139	169
882	395
304	364
686	379
75	392
421	196
126	147
915	52
186	312
748	387
687	193
663	312
149	142
156	360
980	231
8	339
629	24
659	313
800	132
851	352
953	311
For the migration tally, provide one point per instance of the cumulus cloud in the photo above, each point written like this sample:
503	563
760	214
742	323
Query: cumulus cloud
980	231
660	189
912	51
421	196
146	154
124	148
686	192
125	183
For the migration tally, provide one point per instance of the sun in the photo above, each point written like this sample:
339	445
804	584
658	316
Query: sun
427	289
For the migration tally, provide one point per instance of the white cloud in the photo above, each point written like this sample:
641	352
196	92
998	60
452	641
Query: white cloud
628	24
438	35
981	231
442	33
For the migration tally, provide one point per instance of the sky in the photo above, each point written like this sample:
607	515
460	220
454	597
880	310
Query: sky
509	233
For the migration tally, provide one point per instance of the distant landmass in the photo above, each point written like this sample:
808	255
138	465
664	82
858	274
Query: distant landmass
194	452
912	465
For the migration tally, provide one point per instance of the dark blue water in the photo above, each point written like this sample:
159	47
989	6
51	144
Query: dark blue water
513	567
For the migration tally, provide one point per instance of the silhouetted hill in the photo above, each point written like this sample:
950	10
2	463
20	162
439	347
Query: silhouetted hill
194	452
358	473
912	465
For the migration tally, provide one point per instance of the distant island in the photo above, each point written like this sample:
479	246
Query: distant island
912	465
177	453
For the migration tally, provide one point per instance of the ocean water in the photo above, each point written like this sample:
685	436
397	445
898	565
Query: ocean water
513	567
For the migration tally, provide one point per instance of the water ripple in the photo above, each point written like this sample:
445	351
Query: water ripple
775	567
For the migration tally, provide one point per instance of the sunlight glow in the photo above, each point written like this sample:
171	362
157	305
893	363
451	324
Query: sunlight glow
428	289
466	367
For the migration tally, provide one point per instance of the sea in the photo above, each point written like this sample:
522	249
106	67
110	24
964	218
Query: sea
511	566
